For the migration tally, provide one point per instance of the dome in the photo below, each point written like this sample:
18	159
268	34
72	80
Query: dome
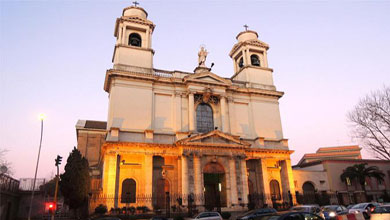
247	35
135	11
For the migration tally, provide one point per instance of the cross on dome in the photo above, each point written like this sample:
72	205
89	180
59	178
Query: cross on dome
246	27
135	3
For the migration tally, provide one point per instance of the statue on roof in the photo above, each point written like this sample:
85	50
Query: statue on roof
202	55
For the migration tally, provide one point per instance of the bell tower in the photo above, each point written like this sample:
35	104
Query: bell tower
249	56
133	32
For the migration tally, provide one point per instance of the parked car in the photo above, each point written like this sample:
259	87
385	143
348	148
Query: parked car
350	206
290	216
364	208
158	218
381	212
254	214
332	211
307	208
208	216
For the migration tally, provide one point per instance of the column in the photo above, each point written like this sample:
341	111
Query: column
265	182
244	179
287	178
191	111
198	182
223	115
117	175
184	179
233	181
148	171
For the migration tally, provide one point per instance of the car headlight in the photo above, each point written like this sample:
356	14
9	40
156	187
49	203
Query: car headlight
356	212
332	214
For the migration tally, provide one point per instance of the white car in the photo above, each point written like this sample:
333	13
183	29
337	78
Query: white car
208	216
381	213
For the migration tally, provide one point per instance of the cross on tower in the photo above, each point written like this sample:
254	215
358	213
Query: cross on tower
246	27
135	3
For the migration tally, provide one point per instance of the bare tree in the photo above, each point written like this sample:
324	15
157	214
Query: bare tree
4	162
371	122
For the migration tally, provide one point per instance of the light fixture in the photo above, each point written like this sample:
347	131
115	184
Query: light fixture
42	116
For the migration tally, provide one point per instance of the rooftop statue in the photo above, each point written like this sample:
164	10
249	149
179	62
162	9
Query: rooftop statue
202	57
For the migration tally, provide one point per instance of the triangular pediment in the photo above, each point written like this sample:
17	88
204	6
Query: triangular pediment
214	138
207	77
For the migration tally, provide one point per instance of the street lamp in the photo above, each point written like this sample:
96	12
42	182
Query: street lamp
41	118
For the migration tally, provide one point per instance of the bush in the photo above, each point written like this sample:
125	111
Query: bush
226	215
101	209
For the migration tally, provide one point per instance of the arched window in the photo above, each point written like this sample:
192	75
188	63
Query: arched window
204	118
135	40
275	190
241	63
128	191
255	61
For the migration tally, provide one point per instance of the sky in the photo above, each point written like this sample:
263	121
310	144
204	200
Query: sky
326	55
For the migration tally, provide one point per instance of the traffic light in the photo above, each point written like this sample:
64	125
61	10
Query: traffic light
58	160
50	207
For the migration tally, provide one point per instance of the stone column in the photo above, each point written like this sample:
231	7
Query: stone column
265	182
198	180
233	182
223	115
191	111
244	179
184	179
148	171
287	178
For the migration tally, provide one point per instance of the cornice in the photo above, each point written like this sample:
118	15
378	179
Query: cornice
256	43
176	80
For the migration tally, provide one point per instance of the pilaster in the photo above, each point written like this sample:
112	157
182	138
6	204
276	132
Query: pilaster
191	110
244	179
223	115
148	172
265	182
184	178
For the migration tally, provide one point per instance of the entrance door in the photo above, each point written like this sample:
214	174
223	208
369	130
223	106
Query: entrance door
214	186
162	191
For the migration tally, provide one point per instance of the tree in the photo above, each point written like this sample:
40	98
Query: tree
4	163
75	182
360	173
371	121
49	187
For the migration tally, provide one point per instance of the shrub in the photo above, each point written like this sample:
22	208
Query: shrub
101	209
226	215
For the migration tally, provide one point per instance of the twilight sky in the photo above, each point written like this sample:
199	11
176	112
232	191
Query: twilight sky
325	56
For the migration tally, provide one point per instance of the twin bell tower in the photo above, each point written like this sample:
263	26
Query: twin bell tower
133	50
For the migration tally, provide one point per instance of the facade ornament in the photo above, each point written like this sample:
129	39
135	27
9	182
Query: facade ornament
202	55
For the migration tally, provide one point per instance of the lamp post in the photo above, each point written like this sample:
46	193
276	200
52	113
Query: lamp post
41	117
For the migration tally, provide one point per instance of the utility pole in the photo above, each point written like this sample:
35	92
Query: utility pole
58	162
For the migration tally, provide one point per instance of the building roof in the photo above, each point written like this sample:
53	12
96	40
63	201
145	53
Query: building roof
349	161
339	152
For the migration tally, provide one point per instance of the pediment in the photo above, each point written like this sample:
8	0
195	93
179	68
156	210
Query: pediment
207	77
214	138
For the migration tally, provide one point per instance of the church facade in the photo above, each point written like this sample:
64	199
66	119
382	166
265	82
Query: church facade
179	138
